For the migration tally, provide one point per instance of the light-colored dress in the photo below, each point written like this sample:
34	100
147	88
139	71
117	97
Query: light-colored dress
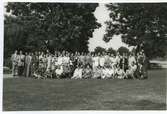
77	73
102	61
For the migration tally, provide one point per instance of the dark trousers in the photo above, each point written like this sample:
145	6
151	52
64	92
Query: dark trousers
20	70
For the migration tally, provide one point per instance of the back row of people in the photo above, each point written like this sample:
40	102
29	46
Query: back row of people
78	65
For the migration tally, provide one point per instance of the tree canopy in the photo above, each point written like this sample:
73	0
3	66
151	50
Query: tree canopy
139	23
111	50
61	26
122	50
99	49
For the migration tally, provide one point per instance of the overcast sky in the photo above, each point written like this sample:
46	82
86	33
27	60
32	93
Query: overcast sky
102	14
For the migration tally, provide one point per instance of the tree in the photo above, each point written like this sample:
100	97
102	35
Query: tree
122	50
111	50
61	26
99	49
140	23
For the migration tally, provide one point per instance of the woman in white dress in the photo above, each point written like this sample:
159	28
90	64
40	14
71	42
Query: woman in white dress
49	62
102	61
77	73
59	71
95	61
120	73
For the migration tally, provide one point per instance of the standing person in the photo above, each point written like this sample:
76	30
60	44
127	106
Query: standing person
25	65
14	59
95	61
107	59
117	59
60	59
89	60
21	60
72	62
45	61
141	61
102	60
82	58
145	64
76	60
131	59
28	62
35	63
124	62
49	61
41	54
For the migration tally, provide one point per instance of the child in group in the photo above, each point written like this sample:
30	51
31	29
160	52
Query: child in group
87	72
77	73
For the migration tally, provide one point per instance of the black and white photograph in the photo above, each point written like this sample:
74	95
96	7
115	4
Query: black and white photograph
61	56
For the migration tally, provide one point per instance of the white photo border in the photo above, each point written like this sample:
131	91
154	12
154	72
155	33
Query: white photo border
63	112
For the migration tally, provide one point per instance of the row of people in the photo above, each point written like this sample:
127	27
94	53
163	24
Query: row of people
65	64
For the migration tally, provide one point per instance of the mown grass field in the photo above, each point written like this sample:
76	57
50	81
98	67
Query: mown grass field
26	94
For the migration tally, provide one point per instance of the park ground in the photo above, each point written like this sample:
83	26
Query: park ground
26	94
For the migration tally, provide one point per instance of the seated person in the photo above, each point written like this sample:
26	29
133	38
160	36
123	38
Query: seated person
97	72
39	73
59	71
77	73
111	71
106	72
120	73
87	72
114	68
131	71
66	71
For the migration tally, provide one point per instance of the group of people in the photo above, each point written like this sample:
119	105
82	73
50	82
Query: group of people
79	65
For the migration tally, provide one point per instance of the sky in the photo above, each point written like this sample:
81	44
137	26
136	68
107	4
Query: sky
102	14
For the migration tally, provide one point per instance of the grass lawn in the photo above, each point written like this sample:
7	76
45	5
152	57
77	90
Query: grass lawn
91	94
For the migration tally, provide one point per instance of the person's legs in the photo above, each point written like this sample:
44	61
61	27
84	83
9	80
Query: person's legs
13	69
22	70
28	71
25	70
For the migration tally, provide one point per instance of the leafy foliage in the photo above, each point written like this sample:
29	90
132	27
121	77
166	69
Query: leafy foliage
61	26
111	50
139	23
122	50
99	49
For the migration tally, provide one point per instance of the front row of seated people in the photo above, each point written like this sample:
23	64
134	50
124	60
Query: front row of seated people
104	72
